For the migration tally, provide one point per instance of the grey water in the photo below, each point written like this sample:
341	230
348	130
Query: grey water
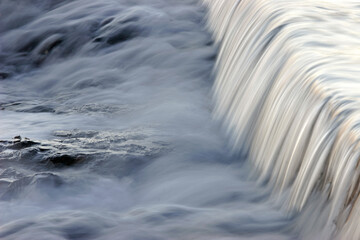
106	129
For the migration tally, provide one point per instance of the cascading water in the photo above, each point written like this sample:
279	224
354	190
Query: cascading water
287	92
106	129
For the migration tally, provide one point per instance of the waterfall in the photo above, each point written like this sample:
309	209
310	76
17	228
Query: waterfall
287	94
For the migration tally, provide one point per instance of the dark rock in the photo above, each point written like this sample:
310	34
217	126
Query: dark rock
114	35
22	144
4	75
124	34
66	160
17	138
18	143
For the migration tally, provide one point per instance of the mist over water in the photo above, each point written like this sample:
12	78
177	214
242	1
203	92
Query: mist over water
169	119
111	100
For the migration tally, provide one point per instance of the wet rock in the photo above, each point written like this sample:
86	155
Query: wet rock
4	75
18	143
65	160
118	154
22	144
114	35
122	35
17	138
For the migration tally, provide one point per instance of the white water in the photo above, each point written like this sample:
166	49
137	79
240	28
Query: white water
116	96
287	91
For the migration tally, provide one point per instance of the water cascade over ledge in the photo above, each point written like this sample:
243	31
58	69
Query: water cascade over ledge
287	93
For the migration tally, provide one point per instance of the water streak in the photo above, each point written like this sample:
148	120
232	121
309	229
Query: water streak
287	92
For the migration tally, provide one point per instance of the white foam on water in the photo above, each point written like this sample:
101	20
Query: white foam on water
287	93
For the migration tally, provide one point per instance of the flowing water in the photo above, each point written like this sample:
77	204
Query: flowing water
287	92
112	102
107	129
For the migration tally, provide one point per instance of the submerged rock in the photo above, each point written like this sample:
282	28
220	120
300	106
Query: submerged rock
66	160
27	183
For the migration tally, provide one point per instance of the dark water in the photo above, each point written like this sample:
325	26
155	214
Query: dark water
111	100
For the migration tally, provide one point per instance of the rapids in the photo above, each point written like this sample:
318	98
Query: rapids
179	119
106	129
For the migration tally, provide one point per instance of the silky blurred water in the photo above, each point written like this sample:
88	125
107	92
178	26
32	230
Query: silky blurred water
106	127
287	95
